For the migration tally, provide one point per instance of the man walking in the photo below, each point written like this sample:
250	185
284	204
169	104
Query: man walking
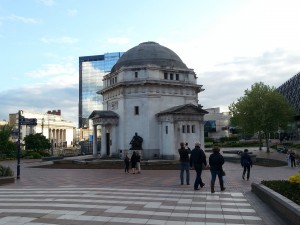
197	159
246	163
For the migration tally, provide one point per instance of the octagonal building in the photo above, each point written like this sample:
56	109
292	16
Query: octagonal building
151	93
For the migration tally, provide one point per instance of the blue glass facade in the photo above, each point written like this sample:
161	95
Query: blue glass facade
91	72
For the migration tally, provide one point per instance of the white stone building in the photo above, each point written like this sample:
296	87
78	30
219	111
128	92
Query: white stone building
217	123
61	133
151	92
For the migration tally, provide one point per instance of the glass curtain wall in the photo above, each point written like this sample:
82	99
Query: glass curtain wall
91	72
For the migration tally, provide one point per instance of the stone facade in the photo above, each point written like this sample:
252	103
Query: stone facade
217	123
61	133
157	99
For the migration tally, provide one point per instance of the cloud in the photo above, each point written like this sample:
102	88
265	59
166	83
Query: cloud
41	98
52	70
118	40
15	18
59	40
227	81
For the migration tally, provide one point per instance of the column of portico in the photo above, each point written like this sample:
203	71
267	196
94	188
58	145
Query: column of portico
94	140
103	140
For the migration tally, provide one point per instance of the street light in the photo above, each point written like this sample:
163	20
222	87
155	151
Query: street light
20	118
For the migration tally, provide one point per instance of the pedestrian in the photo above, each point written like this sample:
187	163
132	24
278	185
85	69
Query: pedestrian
197	160
184	163
246	163
216	161
288	158
133	160
138	162
187	147
293	159
126	161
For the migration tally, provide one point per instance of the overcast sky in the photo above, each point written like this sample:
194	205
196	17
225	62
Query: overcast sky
230	44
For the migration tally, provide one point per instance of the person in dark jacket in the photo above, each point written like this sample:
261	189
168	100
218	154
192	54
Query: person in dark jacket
293	159
216	161
197	159
184	163
133	160
126	161
246	163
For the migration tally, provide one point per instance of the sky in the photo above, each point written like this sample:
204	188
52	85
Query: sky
230	44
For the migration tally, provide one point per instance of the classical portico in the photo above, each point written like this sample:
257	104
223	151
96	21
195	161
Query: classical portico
108	120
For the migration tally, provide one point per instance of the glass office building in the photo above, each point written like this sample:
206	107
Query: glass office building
91	72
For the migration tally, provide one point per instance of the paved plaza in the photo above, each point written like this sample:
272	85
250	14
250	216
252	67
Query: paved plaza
106	196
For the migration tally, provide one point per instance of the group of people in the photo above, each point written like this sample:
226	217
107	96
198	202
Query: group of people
196	159
135	162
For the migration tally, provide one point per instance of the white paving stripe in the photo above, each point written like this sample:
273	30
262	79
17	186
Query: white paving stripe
171	198
109	193
158	206
113	208
9	199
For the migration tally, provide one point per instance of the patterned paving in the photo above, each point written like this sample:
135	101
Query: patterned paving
90	197
47	206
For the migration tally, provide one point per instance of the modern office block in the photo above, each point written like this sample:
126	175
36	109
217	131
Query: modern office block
91	72
291	90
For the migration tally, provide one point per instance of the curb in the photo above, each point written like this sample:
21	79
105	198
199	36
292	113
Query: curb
285	208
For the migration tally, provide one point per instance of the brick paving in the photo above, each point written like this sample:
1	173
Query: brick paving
108	196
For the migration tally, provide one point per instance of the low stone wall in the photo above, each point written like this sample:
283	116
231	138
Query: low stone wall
284	207
6	180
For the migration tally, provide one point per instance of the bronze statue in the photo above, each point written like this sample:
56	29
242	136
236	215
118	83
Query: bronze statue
136	142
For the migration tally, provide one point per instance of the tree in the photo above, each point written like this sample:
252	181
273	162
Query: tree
7	147
261	110
36	142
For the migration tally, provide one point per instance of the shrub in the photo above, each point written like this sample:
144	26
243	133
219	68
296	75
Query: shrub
229	139
31	155
285	188
6	171
295	179
207	139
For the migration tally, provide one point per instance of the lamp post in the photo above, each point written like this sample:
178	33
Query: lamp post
19	144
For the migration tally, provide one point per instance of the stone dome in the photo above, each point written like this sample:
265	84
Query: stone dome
149	53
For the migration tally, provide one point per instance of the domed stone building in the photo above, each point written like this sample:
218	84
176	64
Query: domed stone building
149	93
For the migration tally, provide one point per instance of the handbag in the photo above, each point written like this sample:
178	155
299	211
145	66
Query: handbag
223	172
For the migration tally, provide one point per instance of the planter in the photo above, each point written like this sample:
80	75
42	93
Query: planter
6	180
285	208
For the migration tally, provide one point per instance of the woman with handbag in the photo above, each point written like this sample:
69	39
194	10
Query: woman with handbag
216	161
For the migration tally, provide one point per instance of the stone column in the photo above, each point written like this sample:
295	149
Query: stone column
103	140
94	140
201	124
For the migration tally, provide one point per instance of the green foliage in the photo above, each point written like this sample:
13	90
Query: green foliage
8	149
240	144
208	144
207	139
36	142
296	146
261	109
6	171
228	139
34	155
285	188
